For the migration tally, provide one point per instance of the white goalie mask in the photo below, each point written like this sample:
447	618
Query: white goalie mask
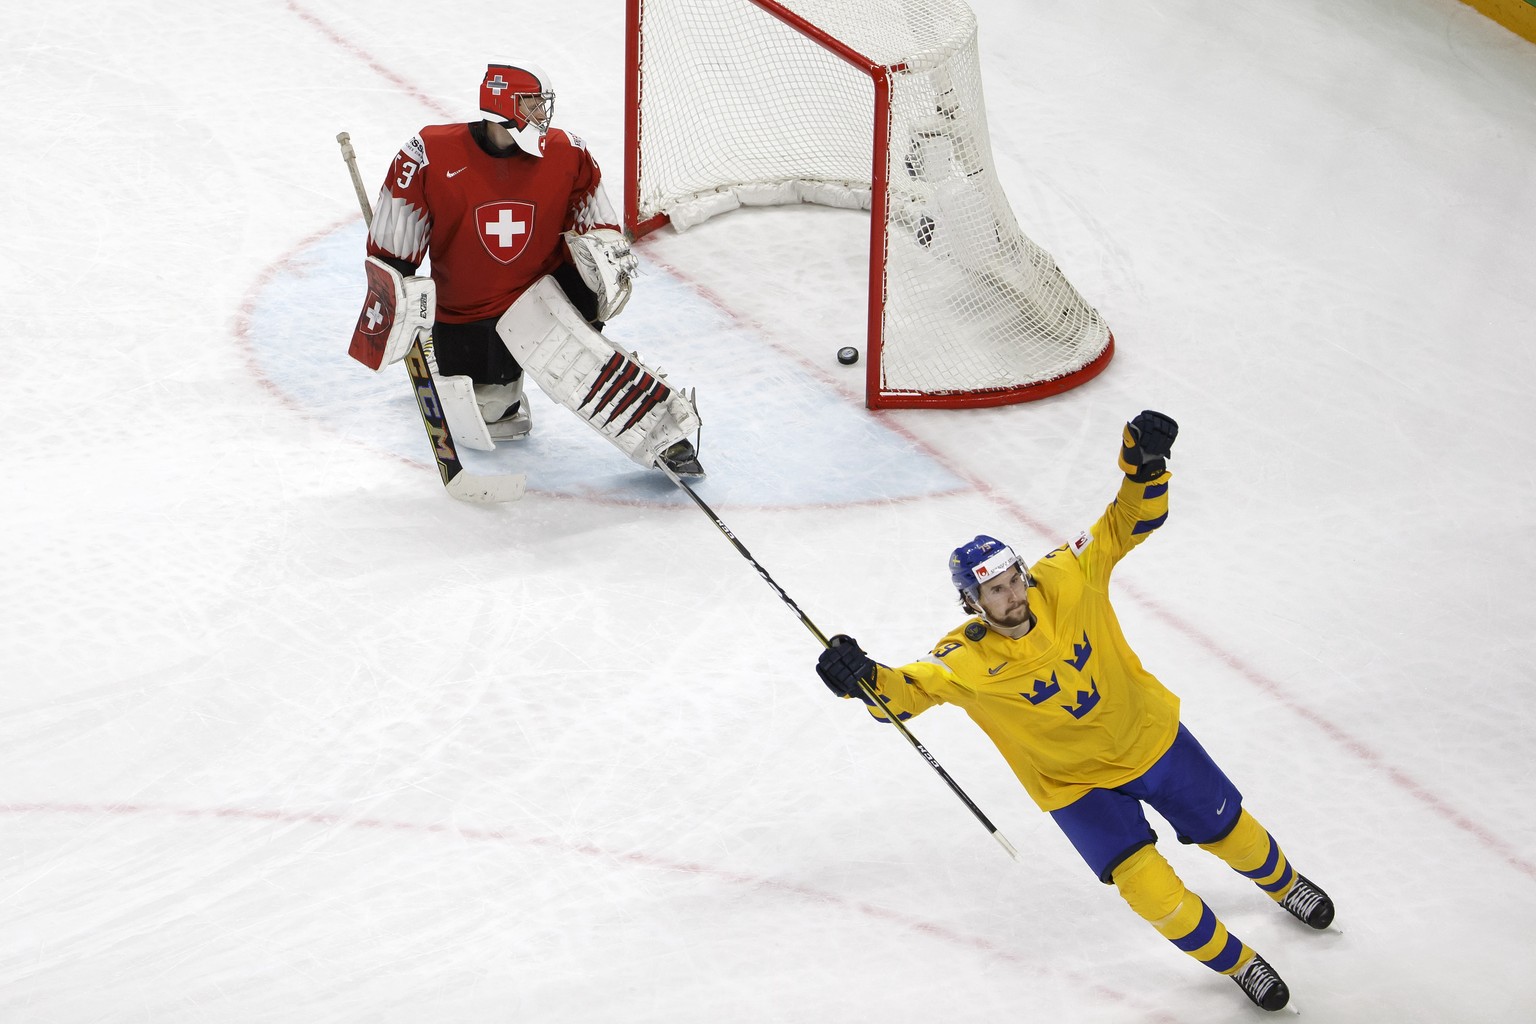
521	98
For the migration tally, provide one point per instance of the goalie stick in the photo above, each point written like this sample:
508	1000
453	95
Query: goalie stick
460	483
869	693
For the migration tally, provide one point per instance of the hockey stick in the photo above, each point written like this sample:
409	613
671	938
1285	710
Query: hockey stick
870	696
460	484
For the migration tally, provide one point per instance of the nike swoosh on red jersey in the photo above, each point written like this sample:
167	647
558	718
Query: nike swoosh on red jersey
452	173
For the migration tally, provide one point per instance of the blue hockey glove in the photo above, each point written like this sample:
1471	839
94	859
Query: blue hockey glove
843	665
1148	440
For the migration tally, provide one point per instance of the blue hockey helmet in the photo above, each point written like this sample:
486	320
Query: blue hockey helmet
977	561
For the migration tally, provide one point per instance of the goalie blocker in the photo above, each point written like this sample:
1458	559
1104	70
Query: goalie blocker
395	309
610	389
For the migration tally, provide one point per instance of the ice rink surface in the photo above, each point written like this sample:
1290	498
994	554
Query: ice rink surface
286	734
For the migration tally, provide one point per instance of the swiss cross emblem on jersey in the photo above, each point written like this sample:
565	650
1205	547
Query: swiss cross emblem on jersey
504	228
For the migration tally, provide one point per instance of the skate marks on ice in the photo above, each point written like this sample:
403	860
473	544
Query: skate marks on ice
198	910
774	435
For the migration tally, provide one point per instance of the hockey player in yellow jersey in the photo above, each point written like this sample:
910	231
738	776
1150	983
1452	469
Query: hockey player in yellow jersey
1044	669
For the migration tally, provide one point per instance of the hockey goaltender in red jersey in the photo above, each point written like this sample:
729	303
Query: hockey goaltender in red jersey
527	264
1043	668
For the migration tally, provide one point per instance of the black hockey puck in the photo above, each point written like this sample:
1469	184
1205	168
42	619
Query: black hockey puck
848	356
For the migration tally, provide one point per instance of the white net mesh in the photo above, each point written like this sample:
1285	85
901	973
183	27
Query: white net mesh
775	101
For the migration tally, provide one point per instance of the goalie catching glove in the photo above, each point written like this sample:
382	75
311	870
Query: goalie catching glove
606	264
396	309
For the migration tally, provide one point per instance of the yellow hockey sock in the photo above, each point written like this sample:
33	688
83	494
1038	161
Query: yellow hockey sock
1250	850
1155	892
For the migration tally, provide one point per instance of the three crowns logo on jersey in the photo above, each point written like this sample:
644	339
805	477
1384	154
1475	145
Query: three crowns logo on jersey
504	228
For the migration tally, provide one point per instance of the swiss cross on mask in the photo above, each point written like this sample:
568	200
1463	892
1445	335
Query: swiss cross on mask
504	228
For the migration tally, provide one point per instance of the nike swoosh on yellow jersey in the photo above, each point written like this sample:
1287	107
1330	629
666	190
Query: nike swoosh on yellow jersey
995	671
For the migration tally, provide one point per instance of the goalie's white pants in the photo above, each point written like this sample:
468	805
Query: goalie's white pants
610	389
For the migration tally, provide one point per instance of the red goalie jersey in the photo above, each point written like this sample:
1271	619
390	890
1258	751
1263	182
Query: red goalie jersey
490	224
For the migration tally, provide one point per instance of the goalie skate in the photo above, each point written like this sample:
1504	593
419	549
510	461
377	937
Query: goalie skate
682	459
506	413
613	392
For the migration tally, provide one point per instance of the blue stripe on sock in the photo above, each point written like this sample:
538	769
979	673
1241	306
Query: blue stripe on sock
1202	932
1224	961
1283	881
1270	861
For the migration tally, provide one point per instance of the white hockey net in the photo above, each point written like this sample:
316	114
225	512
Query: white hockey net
873	104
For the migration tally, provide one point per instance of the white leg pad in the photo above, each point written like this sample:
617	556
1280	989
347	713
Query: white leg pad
609	388
457	395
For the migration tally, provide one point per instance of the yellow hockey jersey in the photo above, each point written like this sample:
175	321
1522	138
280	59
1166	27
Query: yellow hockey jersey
1068	704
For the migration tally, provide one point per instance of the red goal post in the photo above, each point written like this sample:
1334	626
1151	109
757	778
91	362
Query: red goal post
862	104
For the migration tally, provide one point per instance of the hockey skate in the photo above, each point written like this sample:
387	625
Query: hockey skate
1309	904
682	459
504	410
514	425
1261	984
